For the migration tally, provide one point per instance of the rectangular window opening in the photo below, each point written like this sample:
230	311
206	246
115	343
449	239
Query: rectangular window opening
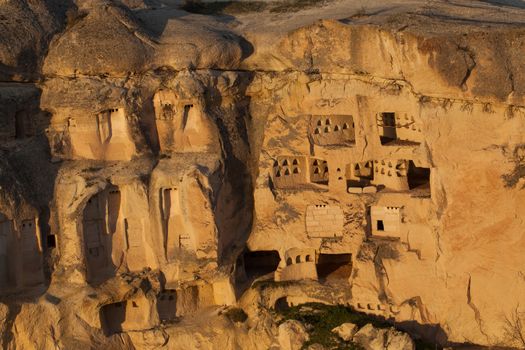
387	122
51	241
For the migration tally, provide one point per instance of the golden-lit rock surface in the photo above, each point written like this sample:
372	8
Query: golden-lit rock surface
181	176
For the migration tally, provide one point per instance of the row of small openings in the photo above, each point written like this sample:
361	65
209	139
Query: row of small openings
389	173
287	172
327	129
286	163
371	307
367	165
389	120
320	205
318	162
399	166
389	163
328	122
289	261
29	224
318	170
112	110
170	296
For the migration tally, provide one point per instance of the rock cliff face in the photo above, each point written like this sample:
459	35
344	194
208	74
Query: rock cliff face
161	167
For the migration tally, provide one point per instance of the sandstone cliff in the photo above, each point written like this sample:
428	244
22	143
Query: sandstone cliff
163	165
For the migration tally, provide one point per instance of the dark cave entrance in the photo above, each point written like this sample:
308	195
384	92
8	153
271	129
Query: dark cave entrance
334	267
418	177
112	317
260	263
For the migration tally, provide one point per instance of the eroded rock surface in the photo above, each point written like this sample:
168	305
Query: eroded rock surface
162	169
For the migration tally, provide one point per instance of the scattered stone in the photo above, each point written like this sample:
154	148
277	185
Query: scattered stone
292	335
346	331
371	338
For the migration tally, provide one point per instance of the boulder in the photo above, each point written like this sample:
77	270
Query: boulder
85	48
292	335
346	331
371	338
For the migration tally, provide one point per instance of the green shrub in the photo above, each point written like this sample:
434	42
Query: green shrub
321	319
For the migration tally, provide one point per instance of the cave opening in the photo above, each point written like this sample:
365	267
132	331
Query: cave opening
51	241
281	304
167	305
418	177
112	317
334	267
99	223
260	263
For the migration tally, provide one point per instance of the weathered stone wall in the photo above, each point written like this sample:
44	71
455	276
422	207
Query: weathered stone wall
379	159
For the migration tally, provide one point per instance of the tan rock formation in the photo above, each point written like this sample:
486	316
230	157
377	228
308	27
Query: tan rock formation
160	166
346	331
292	335
371	338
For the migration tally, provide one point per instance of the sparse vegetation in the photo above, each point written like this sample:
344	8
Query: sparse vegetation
320	319
515	327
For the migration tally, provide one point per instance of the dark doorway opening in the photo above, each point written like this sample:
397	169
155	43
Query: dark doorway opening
167	306
281	304
334	267
387	121
112	316
51	241
260	263
185	115
418	177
